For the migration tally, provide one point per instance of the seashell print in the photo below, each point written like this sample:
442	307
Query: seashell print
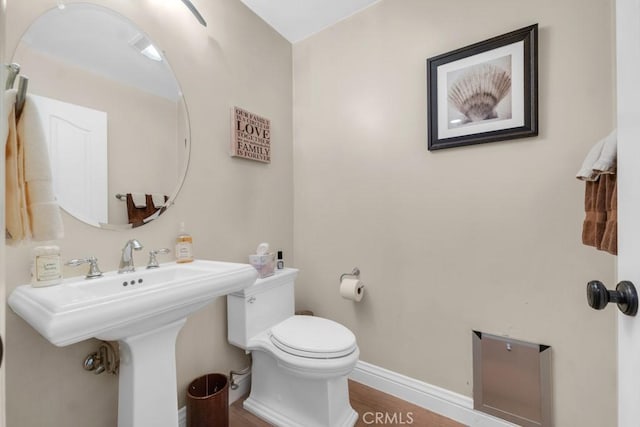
478	91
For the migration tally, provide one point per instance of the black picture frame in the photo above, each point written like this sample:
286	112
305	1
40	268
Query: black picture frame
467	97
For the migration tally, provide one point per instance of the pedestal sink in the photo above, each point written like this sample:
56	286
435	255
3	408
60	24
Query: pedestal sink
144	311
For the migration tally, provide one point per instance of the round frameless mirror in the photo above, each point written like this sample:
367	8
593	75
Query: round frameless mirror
112	111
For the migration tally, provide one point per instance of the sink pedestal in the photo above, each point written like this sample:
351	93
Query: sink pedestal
148	385
144	311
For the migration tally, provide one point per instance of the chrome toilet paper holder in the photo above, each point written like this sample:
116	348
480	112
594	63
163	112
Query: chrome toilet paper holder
354	273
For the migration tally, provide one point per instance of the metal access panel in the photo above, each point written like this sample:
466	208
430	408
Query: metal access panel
511	379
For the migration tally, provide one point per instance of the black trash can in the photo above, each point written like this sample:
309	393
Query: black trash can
208	401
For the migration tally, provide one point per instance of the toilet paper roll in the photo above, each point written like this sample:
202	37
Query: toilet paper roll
352	289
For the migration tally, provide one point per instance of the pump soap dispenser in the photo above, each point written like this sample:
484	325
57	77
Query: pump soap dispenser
184	243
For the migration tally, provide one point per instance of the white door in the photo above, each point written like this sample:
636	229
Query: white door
628	110
77	140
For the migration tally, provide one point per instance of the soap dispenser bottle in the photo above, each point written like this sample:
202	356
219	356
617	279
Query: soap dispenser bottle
184	243
280	262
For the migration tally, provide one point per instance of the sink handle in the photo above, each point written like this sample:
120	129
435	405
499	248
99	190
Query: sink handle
153	261
94	270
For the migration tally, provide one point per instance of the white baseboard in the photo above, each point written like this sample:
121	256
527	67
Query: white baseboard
244	385
435	399
182	417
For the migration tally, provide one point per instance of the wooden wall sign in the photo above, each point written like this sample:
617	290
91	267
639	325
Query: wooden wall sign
250	136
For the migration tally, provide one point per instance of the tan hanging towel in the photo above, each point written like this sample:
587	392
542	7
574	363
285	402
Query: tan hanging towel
609	240
595	219
600	225
599	228
15	194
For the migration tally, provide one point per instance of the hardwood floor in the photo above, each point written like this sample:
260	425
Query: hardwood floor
374	408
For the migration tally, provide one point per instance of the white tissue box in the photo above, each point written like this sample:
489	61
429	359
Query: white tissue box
265	264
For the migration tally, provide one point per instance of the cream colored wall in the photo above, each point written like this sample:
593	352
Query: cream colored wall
229	205
484	237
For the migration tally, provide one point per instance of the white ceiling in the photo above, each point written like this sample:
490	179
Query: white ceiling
298	19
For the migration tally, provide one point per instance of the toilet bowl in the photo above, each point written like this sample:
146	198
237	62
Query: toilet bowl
300	364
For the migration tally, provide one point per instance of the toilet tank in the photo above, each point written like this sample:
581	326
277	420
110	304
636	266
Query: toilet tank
259	307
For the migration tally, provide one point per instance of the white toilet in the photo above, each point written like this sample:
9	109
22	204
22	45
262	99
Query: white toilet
300	363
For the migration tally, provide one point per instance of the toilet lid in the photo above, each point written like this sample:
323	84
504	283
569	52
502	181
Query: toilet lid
313	337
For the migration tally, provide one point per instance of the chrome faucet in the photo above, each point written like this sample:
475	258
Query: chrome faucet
126	261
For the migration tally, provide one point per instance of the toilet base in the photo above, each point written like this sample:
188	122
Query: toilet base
284	399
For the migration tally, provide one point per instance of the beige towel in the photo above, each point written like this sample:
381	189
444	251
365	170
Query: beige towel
43	213
17	221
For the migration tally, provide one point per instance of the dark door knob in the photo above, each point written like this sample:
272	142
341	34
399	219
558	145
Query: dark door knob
625	296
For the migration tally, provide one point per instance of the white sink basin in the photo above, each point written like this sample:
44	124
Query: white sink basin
144	310
120	305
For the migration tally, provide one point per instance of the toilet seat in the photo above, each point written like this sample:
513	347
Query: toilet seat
313	337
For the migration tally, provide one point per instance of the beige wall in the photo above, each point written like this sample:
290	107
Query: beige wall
484	237
228	205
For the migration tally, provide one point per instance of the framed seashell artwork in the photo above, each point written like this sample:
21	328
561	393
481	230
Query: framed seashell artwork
484	92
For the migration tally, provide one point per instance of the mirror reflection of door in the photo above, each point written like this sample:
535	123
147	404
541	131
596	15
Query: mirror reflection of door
77	141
